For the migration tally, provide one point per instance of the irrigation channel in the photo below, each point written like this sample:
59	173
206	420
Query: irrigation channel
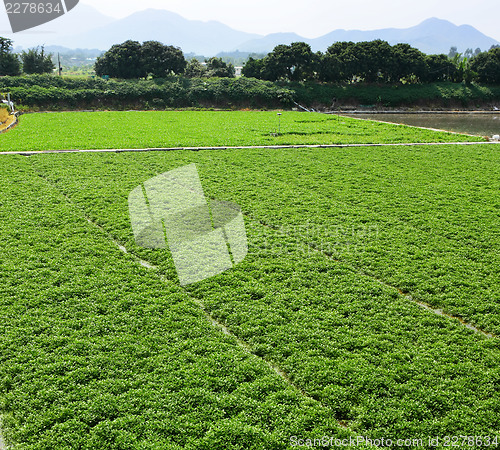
478	123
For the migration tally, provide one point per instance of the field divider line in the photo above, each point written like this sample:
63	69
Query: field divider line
199	303
2	443
246	147
356	270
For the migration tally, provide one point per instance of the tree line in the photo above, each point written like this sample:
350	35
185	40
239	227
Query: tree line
131	59
344	62
374	61
32	61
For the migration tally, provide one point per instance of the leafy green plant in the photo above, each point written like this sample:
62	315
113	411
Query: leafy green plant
105	353
154	129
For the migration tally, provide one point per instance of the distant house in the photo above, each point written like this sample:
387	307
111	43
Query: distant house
237	71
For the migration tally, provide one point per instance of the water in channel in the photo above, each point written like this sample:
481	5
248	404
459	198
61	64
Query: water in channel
479	124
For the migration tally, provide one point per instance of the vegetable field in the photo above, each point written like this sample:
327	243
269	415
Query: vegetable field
154	129
329	328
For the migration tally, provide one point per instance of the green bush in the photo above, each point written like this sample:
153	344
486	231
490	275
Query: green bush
52	92
393	96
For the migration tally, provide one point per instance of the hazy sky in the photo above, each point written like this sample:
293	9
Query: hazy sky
313	18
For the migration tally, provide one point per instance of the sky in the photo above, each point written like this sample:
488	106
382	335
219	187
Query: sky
313	18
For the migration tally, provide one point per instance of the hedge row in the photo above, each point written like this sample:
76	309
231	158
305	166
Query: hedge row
50	92
439	94
53	92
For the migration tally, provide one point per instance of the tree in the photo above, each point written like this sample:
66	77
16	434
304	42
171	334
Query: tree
371	61
253	68
294	62
439	68
409	62
216	67
453	52
329	69
122	61
161	60
35	61
468	53
133	60
277	65
195	69
487	66
303	62
343	54
9	62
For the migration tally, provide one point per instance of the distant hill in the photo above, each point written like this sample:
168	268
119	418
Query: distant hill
431	36
85	28
207	38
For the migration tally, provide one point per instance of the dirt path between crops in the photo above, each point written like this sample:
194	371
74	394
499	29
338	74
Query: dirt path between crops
270	147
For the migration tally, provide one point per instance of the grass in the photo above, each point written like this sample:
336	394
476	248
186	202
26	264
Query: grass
100	130
100	352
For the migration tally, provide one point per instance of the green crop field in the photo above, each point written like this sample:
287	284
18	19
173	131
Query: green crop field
154	129
319	334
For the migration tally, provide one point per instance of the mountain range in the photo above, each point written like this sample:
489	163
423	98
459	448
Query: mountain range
85	27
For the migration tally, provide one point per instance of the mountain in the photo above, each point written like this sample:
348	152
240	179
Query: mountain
431	36
205	38
263	44
85	28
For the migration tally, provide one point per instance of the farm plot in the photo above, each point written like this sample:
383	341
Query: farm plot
96	352
333	236
155	129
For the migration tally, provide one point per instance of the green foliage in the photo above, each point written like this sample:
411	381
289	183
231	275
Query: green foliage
162	60
122	61
57	92
98	352
216	67
434	95
440	68
37	61
49	92
371	62
194	69
154	129
132	60
343	62
9	62
408	62
253	68
487	66
294	62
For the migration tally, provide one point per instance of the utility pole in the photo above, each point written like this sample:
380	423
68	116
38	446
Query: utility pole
59	64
